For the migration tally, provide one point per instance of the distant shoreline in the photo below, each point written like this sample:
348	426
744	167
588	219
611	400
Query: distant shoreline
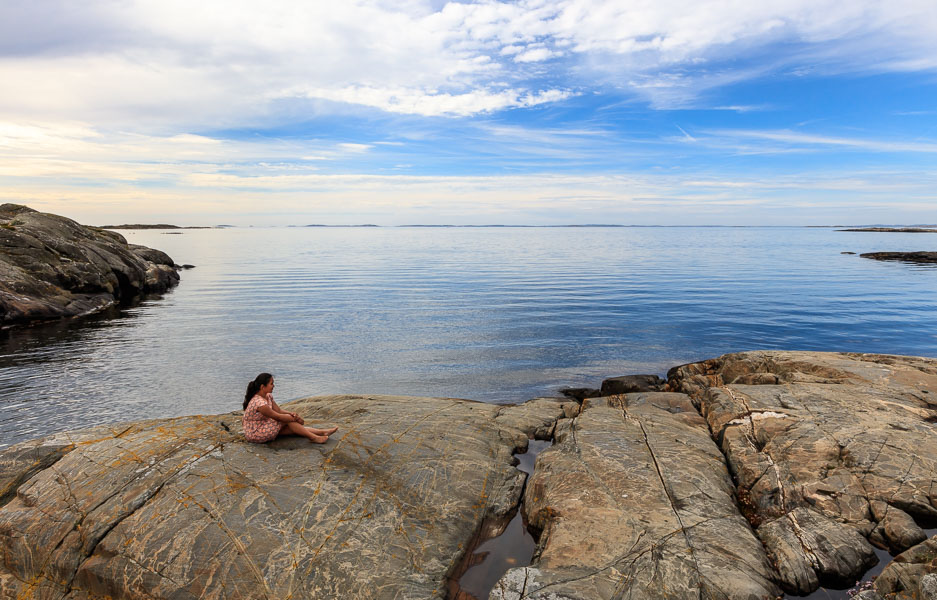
143	226
893	229
154	226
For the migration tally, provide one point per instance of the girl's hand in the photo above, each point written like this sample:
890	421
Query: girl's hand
298	418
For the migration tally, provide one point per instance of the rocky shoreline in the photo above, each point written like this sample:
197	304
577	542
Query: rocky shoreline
746	476
922	257
894	229
53	268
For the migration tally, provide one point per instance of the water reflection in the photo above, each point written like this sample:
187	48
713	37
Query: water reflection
43	375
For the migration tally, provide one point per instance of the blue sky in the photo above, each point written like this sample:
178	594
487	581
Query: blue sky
577	111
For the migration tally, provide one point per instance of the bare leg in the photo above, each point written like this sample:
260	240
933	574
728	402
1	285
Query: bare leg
298	429
325	432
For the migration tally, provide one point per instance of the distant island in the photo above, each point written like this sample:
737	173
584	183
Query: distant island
894	229
151	226
905	257
319	225
520	226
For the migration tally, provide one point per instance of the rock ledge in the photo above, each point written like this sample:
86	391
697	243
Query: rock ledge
52	267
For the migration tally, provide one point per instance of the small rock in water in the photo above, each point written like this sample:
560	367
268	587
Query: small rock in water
580	394
632	383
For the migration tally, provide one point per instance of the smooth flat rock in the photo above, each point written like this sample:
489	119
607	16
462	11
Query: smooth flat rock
52	267
186	508
828	450
635	501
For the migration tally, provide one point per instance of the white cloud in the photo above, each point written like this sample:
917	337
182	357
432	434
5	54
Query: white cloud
433	104
535	55
355	148
223	62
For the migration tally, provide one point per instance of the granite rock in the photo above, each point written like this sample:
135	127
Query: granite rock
911	575
922	257
186	508
843	445
52	267
628	384
758	472
541	413
580	394
634	500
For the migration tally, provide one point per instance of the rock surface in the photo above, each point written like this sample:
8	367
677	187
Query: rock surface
912	575
894	229
756	473
185	508
828	451
52	267
628	384
908	257
635	501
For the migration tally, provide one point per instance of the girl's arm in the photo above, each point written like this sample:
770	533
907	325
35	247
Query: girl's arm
276	407
268	411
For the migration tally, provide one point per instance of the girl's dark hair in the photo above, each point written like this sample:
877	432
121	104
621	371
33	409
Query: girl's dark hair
254	387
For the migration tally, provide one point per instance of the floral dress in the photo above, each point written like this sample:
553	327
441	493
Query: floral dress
257	427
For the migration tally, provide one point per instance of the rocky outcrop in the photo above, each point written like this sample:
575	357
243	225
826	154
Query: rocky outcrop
628	384
831	453
894	229
912	575
186	508
52	267
757	473
922	258
635	501
625	384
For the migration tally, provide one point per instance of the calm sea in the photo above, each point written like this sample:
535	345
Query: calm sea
492	314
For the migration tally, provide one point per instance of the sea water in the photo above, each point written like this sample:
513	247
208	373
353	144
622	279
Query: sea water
492	314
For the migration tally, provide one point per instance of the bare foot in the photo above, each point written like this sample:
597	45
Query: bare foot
319	439
329	432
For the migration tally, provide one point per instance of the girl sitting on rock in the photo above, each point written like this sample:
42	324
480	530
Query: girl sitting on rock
263	420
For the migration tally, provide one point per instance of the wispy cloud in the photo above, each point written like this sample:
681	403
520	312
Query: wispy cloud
807	140
227	178
744	108
686	136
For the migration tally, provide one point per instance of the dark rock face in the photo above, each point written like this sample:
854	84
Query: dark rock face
580	394
923	258
829	451
894	229
632	383
52	267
